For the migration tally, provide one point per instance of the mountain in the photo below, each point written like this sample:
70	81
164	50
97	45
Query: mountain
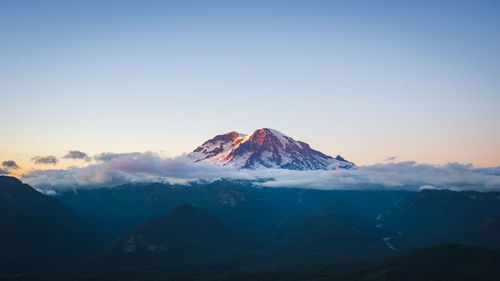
35	228
238	204
239	231
184	231
190	243
183	243
443	262
325	239
265	148
442	216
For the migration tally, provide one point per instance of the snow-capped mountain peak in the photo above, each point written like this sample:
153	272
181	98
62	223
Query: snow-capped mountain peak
265	148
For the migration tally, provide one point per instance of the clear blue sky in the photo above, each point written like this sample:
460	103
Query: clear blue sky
364	79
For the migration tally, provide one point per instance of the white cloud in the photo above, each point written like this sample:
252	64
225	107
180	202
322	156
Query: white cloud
115	169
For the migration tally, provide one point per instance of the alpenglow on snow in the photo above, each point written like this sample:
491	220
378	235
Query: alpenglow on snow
265	148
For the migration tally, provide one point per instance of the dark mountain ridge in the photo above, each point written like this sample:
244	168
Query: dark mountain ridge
35	228
443	262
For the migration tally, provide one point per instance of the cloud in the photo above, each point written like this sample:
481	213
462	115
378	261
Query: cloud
4	172
75	154
108	156
115	169
45	160
424	187
10	165
390	159
398	176
91	176
131	167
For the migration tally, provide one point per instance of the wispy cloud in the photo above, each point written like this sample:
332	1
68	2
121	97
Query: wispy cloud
10	165
108	156
4	172
75	154
149	166
390	159
51	159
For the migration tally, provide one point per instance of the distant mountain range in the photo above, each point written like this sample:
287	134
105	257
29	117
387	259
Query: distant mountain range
233	230
265	148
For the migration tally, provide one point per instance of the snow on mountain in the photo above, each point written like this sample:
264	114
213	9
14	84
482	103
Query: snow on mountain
265	148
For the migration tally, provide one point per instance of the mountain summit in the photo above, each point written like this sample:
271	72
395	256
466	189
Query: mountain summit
265	148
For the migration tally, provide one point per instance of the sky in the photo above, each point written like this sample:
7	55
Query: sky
368	80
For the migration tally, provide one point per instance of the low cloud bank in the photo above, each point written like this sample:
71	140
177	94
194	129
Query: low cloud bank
115	169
